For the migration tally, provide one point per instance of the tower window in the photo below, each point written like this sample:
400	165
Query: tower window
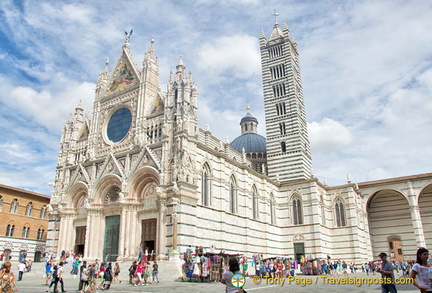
279	90
283	147
277	71
280	109
275	51
282	128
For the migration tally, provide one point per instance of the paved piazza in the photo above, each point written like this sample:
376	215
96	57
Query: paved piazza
33	282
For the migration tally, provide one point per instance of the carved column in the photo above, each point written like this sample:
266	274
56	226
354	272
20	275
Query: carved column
161	227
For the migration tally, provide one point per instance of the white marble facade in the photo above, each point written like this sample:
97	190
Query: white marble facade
162	181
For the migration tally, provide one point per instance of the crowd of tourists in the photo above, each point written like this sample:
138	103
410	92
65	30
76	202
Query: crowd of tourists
205	265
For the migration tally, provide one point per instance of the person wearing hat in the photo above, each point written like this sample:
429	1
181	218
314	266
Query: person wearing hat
386	271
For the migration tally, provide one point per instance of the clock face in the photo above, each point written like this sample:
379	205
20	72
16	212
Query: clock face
119	124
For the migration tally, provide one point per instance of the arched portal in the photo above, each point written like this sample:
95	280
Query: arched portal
390	220
151	221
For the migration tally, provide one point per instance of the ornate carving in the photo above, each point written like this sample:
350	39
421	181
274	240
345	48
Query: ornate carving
298	238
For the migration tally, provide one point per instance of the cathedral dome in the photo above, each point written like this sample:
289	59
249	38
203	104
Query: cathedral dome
251	142
248	118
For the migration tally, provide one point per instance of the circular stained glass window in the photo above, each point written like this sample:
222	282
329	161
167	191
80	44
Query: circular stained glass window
119	124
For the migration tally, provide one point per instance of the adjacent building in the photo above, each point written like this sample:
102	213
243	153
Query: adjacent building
23	223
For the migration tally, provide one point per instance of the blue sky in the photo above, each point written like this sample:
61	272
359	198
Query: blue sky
366	68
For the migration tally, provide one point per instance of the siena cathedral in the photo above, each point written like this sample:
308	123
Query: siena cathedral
141	171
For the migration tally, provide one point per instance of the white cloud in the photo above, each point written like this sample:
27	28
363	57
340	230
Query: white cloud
236	55
46	108
329	134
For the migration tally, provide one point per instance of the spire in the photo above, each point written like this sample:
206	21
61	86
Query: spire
79	107
286	31
276	33
262	38
180	67
150	54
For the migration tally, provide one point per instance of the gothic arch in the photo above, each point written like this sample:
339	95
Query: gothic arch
206	194
104	186
76	195
339	212
144	183
389	215
296	205
233	194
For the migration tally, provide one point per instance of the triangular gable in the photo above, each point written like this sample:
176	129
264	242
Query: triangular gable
79	175
124	76
158	105
111	166
144	159
84	132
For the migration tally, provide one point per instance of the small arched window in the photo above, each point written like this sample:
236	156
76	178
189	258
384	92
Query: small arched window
43	212
29	209
40	234
340	214
25	232
297	211
233	196
205	186
10	230
283	147
14	206
1	203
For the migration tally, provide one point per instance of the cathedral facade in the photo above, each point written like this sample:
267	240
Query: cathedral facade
141	171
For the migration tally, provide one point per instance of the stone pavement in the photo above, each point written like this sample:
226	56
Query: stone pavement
33	282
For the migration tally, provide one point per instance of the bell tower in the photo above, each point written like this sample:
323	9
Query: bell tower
288	147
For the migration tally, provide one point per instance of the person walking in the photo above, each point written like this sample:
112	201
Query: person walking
155	272
48	272
108	277
423	269
21	268
116	273
386	271
92	278
83	277
59	278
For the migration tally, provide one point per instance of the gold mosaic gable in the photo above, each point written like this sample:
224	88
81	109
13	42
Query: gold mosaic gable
158	106
84	133
123	76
